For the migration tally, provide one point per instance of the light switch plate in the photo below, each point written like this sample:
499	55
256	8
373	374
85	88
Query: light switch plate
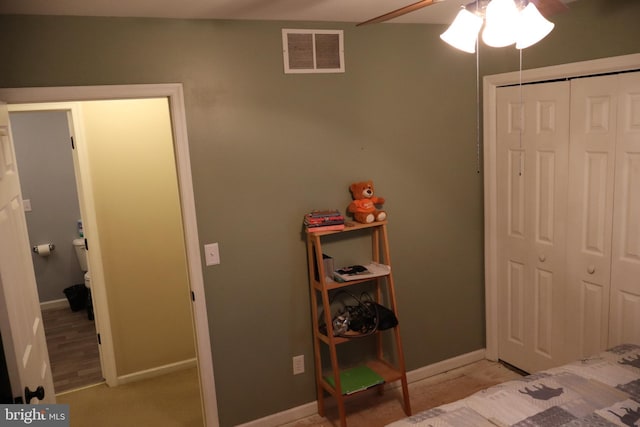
212	254
298	364
27	205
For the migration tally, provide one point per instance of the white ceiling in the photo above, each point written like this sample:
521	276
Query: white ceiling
287	10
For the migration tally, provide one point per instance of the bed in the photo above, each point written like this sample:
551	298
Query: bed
599	391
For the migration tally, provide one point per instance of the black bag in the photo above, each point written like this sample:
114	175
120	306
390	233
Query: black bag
363	319
386	317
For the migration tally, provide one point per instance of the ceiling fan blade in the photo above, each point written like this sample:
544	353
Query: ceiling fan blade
399	12
550	7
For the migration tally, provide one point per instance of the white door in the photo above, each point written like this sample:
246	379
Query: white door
532	149
625	260
20	316
590	207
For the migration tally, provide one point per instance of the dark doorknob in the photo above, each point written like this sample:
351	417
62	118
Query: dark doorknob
28	394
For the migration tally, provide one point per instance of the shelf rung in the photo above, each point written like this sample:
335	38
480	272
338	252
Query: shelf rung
338	340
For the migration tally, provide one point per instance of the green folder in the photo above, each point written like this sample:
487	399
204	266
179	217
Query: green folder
356	379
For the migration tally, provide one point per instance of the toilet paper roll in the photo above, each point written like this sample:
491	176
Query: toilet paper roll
44	250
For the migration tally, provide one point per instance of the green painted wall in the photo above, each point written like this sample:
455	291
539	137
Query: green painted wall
267	147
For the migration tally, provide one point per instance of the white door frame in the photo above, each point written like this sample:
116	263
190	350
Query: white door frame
174	93
490	85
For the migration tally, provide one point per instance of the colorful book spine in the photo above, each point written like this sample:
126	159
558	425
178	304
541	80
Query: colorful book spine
334	227
319	220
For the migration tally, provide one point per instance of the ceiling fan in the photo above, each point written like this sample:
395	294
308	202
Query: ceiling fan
546	8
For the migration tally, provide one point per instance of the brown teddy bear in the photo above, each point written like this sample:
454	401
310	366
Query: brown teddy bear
363	206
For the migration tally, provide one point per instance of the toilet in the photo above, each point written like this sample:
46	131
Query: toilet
81	253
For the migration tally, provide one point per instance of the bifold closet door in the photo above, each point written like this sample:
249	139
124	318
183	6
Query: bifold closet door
603	238
590	207
532	162
625	261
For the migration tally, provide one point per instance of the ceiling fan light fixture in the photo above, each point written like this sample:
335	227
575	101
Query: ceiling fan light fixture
502	18
463	31
532	27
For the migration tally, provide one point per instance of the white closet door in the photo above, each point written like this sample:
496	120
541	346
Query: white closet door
532	147
591	183
625	260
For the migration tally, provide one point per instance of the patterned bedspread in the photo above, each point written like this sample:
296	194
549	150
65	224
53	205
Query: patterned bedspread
599	391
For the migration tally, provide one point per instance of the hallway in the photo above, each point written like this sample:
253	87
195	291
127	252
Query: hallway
171	400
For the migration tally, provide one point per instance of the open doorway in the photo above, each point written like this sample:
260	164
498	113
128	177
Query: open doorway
174	94
134	237
43	153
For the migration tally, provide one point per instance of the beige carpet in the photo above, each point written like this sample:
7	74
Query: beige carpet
172	400
373	410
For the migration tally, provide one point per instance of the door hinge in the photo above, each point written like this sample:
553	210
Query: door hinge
73	145
99	340
193	296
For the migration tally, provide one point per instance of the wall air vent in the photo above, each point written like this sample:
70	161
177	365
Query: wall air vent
313	51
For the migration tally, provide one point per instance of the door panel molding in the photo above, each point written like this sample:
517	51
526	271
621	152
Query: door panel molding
538	171
20	317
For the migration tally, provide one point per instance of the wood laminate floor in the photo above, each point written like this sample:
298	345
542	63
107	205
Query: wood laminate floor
73	348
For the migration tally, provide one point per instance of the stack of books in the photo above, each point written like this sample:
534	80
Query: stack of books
324	220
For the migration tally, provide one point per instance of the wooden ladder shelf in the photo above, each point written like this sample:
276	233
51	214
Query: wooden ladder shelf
322	286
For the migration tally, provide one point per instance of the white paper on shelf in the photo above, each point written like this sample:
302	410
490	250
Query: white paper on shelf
374	269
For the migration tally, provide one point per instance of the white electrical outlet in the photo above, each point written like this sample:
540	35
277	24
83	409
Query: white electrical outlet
212	254
298	364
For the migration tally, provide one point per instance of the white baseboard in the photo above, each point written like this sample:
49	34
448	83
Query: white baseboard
156	372
284	417
445	366
56	303
309	409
